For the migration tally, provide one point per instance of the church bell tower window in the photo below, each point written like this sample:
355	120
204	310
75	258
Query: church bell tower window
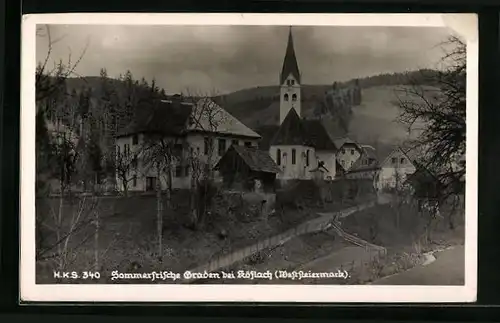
294	97
286	96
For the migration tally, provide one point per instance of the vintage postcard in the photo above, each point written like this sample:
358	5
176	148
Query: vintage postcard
249	157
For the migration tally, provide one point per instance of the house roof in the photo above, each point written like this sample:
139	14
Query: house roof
165	117
290	65
368	154
209	116
267	133
257	160
292	131
409	150
174	117
339	142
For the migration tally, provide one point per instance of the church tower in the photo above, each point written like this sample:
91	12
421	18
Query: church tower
289	82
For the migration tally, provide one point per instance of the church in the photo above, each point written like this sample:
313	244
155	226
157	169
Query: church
301	148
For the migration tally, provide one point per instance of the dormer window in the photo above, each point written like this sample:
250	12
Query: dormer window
286	96
294	97
292	82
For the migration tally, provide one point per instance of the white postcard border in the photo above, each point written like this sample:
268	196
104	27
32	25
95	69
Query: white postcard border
464	24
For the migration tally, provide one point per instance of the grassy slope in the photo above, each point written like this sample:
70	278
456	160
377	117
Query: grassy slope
374	120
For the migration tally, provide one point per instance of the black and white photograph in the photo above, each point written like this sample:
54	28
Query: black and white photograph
323	153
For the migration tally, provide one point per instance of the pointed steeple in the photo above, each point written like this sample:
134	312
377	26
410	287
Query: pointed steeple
290	65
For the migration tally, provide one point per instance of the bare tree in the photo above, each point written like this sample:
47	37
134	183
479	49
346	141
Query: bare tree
160	153
439	112
207	118
126	168
50	79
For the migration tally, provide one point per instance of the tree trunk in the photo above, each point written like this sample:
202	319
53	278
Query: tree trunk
159	216
96	241
125	188
192	203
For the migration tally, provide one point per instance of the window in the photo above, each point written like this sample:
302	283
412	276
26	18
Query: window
118	150
402	161
394	160
222	146
307	158
186	169
134	181
351	163
248	144
343	163
286	96
293	156
135	140
278	157
206	145
343	151
178	171
292	82
352	151
294	97
234	142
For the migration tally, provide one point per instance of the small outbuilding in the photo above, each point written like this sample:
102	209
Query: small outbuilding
247	168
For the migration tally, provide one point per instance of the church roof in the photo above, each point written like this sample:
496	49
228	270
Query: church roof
290	65
315	132
318	135
292	131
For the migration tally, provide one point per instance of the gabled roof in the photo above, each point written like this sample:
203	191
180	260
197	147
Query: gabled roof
292	131
315	132
267	133
257	160
339	142
161	117
318	135
367	161
209	116
290	65
406	150
175	117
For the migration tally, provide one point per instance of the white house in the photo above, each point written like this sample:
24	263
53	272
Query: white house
195	134
348	152
395	168
367	166
301	148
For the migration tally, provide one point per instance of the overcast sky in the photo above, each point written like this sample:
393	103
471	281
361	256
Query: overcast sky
229	58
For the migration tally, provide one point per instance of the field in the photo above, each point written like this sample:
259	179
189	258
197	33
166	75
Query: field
127	236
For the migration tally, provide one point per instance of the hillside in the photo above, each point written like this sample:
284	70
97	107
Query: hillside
373	120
